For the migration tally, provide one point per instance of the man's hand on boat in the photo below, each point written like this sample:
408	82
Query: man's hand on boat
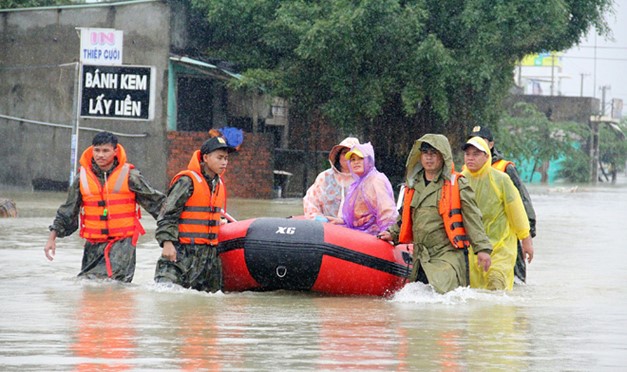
384	235
335	220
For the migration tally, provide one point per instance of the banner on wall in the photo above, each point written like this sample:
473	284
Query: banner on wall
546	59
101	46
117	92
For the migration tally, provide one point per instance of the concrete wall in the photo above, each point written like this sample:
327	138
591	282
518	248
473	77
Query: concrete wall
37	73
559	108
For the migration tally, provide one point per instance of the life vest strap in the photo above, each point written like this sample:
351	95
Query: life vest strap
102	203
109	232
192	221
191	235
109	216
456	225
202	209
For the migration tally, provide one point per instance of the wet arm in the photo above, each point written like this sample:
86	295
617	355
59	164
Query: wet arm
66	219
168	219
149	198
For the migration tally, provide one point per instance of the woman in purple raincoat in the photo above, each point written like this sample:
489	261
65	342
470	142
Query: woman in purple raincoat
369	204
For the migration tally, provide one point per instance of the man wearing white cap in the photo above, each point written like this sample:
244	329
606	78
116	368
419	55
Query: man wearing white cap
504	217
503	165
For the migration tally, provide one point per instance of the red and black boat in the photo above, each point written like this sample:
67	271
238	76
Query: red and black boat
265	254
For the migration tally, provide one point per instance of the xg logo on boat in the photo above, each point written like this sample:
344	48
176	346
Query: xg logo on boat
286	230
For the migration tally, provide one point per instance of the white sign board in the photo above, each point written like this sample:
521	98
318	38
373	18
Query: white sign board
101	46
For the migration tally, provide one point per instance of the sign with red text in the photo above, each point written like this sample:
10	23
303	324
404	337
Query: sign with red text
117	92
101	46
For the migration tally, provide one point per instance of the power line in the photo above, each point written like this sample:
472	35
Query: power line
598	47
597	58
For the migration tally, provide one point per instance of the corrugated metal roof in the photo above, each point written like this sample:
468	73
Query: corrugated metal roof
78	6
203	65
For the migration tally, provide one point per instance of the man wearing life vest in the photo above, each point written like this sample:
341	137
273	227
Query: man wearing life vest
187	229
504	217
440	217
106	193
499	163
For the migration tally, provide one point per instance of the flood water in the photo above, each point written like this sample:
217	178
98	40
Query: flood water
571	316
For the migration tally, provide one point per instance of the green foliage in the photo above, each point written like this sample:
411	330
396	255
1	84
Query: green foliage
13	4
532	136
447	62
575	168
613	146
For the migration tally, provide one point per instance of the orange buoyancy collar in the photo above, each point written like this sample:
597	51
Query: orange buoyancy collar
449	209
199	222
501	165
406	235
109	211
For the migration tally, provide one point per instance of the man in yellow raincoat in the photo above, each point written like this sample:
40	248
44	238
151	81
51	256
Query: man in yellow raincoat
504	217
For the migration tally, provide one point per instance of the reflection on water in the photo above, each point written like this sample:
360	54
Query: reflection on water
105	336
570	316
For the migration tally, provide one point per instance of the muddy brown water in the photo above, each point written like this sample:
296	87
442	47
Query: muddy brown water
571	315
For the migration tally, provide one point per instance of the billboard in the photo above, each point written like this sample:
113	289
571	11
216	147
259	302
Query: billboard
546	59
117	92
101	46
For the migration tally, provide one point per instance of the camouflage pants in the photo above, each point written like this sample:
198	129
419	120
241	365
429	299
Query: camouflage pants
197	267
122	257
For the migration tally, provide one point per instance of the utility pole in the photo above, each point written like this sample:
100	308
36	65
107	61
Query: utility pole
603	90
552	73
581	86
594	75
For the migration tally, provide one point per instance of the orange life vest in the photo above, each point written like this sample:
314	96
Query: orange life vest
109	211
449	208
501	165
406	235
200	220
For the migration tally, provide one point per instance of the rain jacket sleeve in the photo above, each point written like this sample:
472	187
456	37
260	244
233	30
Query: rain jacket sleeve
379	193
150	199
312	201
168	220
515	210
524	195
472	217
395	228
66	219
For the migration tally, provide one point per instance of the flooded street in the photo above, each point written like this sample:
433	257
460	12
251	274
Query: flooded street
570	316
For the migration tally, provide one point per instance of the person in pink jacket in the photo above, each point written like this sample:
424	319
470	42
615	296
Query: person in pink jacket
325	197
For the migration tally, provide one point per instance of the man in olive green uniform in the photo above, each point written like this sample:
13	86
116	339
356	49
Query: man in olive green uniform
520	269
436	261
99	257
194	263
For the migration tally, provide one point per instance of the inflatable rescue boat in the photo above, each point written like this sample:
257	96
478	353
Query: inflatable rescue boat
266	254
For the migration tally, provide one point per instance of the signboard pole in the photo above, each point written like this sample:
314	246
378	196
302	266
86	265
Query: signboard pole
75	122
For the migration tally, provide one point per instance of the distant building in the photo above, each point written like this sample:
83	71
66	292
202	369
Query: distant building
39	107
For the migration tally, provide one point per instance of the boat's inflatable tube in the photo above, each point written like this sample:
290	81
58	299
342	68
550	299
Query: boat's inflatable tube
267	254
